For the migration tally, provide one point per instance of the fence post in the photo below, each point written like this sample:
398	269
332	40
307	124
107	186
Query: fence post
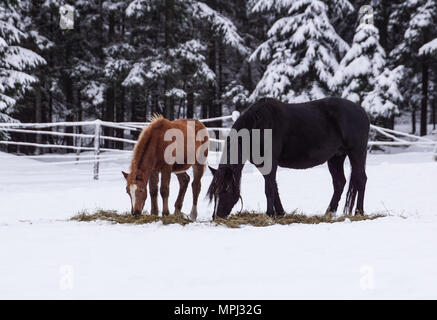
78	144
97	129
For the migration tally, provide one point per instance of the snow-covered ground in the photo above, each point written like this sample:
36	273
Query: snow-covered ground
43	255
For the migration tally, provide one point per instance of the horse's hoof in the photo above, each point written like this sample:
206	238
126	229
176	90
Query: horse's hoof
193	213
330	214
359	212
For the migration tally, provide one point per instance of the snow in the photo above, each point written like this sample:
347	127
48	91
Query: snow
45	256
429	48
302	41
221	24
136	7
360	67
384	99
15	62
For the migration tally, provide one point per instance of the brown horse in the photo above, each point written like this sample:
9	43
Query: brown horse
167	147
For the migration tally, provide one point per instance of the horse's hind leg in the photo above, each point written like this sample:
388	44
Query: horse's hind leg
196	185
165	191
357	184
153	190
183	179
336	168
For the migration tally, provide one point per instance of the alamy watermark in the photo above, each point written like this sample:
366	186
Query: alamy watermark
66	13
243	145
66	281
367	277
367	15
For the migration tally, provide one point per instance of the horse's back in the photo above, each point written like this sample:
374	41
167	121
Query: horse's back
308	134
190	129
319	117
350	118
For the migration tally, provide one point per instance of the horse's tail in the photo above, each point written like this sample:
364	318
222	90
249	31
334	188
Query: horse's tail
351	195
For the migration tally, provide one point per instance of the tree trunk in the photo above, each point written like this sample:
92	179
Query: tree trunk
108	114
38	114
190	104
69	101
220	60
413	120
79	111
424	108
168	101
212	91
434	103
120	117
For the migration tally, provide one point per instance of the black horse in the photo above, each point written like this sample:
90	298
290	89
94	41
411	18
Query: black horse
304	135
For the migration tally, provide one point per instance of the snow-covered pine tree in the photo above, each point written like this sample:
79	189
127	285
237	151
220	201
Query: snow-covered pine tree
175	67
362	64
382	103
16	62
235	96
419	32
301	51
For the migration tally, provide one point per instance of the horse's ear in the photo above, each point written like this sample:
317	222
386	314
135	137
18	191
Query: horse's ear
213	171
125	175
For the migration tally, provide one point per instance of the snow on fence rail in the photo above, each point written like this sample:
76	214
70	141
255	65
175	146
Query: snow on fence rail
399	139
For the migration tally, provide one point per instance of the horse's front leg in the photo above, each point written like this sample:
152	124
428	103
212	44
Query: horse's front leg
271	190
198	170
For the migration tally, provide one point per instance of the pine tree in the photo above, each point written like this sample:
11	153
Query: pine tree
420	30
16	61
362	64
382	103
178	67
301	51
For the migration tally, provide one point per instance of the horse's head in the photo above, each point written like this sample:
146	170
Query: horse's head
224	189
136	188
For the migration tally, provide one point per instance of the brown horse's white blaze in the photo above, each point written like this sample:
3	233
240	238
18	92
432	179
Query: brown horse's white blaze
149	160
133	189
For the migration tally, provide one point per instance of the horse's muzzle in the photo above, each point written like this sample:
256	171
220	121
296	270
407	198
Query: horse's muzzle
136	213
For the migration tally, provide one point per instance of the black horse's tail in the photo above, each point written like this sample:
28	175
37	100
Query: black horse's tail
351	195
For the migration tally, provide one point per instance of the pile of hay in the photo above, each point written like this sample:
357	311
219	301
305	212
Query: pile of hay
262	220
234	221
123	218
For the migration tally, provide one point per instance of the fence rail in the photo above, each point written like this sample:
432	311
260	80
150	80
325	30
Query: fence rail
397	139
96	138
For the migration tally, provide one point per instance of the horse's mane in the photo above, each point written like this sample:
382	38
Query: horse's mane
224	178
260	115
142	143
